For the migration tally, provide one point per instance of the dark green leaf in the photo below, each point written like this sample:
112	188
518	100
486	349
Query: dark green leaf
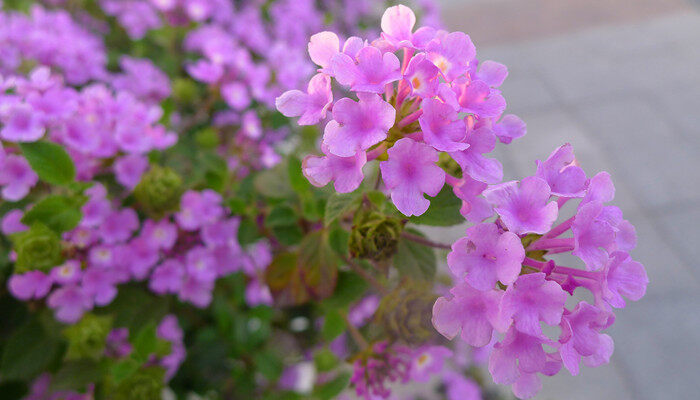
28	352
273	183
415	260
124	369
333	325
296	178
350	288
269	365
288	235
50	161
146	342
443	210
281	216
338	239
325	360
59	213
339	204
318	264
332	388
76	375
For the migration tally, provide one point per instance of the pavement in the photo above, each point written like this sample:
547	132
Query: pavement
620	80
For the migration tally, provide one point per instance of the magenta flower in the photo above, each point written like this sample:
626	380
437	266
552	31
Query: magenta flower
459	387
257	293
70	303
422	76
311	105
581	336
623	277
411	172
118	226
128	169
470	313
397	28
99	284
561	172
200	264
140	257
16	177
21	124
518	354
357	126
472	159
205	71
196	292
492	73
593	235
370	71
345	172
524	207
451	53
532	299
12	222
198	209
441	127
30	285
69	272
474	207
322	47
167	277
221	233
508	128
427	361
486	256
600	188
476	97
236	95
159	235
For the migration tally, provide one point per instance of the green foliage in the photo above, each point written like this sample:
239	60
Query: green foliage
38	248
50	161
60	213
415	260
159	191
333	325
332	388
340	204
443	211
31	349
87	338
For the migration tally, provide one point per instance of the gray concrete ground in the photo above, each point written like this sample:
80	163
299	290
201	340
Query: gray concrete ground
621	82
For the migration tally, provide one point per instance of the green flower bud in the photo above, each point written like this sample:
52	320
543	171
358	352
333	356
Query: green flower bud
38	248
449	165
159	191
185	90
87	338
145	384
405	313
374	235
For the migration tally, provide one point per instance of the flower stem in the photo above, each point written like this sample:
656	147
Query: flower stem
378	286
424	241
544	244
356	334
559	229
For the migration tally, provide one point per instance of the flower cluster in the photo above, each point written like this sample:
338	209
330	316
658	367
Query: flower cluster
510	280
111	247
406	112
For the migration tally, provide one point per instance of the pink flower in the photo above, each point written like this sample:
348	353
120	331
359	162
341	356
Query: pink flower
12	222
474	207
486	256
532	299
236	95
581	336
70	303
411	172
427	361
322	47
345	172
69	272
518	354
476	97
492	73
593	235
128	169
167	277
118	226
470	313
472	160
356	126
311	105
561	172
161	234
451	53
441	127
30	285
397	28
370	73
524	207
201	264
509	127
21	124
99	284
422	75
198	209
16	177
623	277
196	292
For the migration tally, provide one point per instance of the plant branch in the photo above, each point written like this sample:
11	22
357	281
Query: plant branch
424	241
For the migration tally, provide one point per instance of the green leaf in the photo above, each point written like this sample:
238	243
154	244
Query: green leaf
318	264
146	342
443	210
281	216
76	375
415	260
338	238
28	352
50	161
296	178
339	204
135	308
124	369
350	288
273	183
332	388
325	360
59	213
269	365
333	325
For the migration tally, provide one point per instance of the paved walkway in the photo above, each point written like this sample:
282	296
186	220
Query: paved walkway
620	80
